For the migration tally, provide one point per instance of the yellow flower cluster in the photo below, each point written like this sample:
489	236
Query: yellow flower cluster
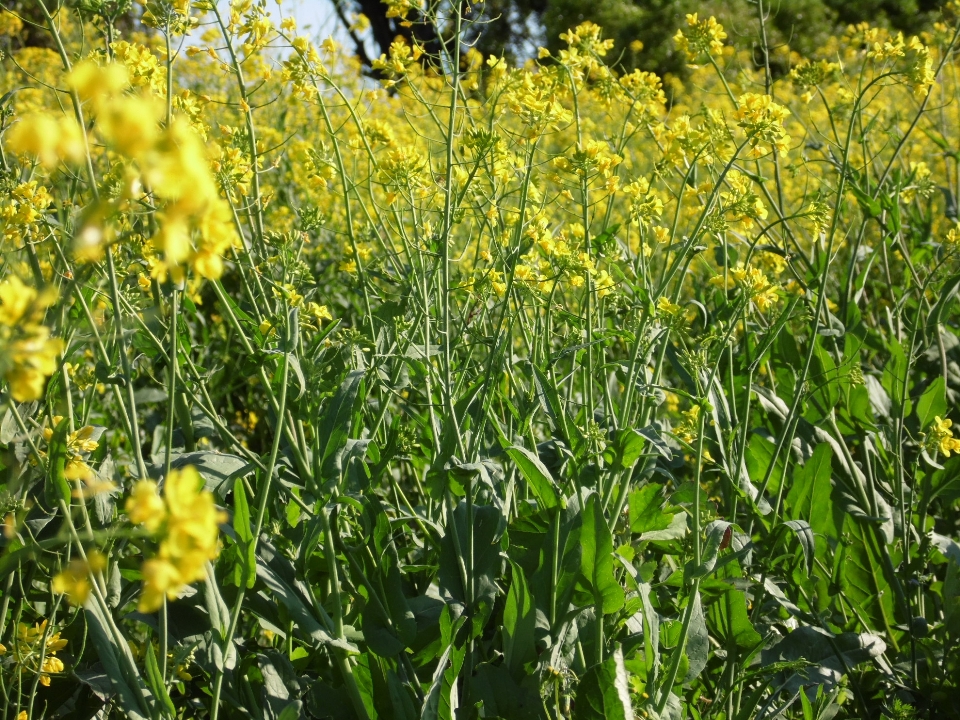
74	580
47	138
187	522
687	430
28	355
23	212
940	437
302	66
585	46
536	101
762	122
754	284
741	204
702	37
401	57
196	223
143	67
31	645
645	206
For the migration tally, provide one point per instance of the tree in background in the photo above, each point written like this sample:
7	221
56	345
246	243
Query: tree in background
642	29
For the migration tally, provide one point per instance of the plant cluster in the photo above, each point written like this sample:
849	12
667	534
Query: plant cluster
475	390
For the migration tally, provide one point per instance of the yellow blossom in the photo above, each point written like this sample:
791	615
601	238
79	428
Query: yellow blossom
702	37
940	437
187	521
74	581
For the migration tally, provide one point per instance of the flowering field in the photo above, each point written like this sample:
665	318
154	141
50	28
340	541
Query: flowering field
456	389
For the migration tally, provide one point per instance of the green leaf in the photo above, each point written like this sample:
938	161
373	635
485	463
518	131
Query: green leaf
674	531
933	402
335	425
377	632
730	618
804	533
810	494
503	697
56	487
647	511
947	294
241	525
486	554
603	692
218	470
698	641
536	475
131	692
309	627
519	623
552	406
596	561
441	700
827	657
157	685
895	374
870	207
864	584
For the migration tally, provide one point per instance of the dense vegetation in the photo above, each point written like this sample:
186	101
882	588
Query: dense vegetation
476	390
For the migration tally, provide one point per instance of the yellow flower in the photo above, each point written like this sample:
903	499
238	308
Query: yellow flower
95	84
667	308
74	581
604	284
29	646
48	139
190	524
702	37
953	237
318	312
940	437
762	121
28	356
145	506
687	430
755	285
10	24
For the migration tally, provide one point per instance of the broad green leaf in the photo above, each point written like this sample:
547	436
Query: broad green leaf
218	470
486	554
596	562
504	697
536	475
603	692
674	531
553	407
647	512
56	488
808	544
441	699
335	425
717	531
156	682
864	583
306	623
810	494
828	657
378	633
933	402
895	378
948	293
131	693
698	641
729	617
519	623
245	544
